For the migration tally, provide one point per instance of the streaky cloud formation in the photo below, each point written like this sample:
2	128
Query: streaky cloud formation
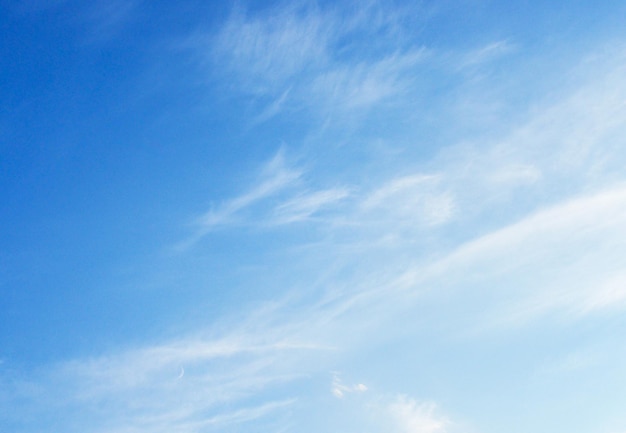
357	217
292	56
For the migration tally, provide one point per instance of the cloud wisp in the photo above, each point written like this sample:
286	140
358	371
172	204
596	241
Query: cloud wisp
274	178
304	58
227	380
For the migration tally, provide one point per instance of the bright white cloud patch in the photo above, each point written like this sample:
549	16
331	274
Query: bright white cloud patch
410	416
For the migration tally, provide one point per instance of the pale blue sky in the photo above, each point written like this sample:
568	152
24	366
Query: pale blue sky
351	217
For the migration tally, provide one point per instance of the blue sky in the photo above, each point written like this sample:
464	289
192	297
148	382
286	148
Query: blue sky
399	217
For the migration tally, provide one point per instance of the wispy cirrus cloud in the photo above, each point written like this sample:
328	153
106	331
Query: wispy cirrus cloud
485	54
543	214
304	57
274	178
239	376
417	198
307	205
267	354
508	190
349	87
267	51
500	265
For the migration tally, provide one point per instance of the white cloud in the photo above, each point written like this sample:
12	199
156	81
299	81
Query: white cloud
411	416
416	198
273	109
228	380
347	87
514	174
302	57
566	258
485	54
339	389
304	206
268	50
275	177
482	189
241	415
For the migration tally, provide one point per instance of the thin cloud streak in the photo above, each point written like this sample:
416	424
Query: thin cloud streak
141	390
486	54
275	177
497	269
305	206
